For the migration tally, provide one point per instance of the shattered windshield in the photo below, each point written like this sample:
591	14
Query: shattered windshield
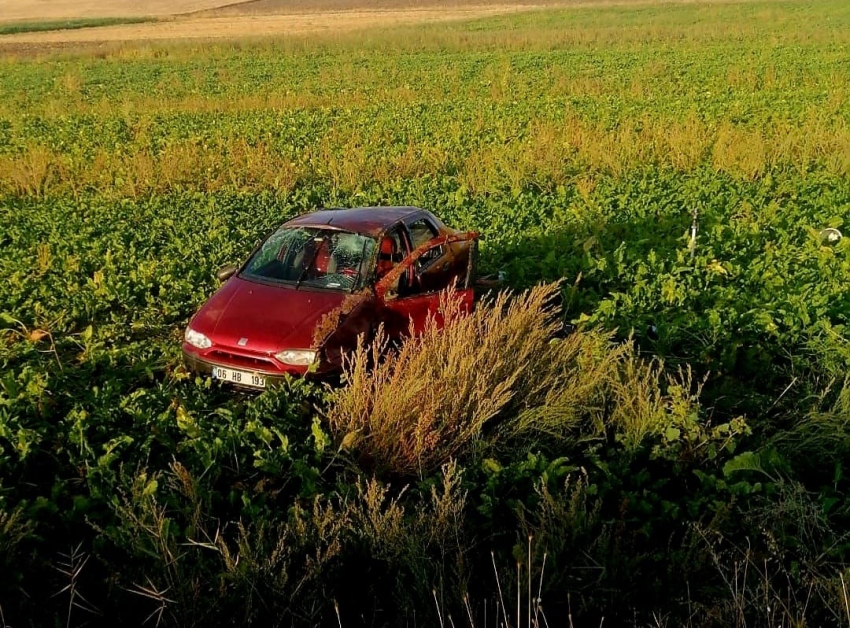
322	258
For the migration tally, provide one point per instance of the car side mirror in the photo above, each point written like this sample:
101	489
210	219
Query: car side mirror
226	272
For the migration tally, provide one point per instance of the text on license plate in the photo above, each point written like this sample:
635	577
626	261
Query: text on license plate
243	378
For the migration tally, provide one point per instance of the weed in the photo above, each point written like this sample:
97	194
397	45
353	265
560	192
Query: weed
430	400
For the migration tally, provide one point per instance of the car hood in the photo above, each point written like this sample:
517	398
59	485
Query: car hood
263	318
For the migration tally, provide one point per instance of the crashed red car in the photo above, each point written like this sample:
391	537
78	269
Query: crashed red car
321	280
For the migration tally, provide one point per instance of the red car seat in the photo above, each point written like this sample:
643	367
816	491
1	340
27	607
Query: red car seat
322	259
386	256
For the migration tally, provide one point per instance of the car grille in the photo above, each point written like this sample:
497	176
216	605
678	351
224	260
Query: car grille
244	360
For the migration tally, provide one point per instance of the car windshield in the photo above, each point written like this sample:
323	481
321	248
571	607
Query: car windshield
322	258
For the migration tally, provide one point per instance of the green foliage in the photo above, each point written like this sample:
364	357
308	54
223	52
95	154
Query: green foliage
579	142
34	27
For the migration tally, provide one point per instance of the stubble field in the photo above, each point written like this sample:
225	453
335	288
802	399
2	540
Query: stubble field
690	471
34	26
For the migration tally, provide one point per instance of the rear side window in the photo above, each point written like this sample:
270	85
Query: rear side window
421	232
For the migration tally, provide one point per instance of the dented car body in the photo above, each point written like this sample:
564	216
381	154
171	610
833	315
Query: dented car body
321	281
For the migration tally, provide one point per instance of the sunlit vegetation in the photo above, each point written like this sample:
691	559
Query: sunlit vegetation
677	460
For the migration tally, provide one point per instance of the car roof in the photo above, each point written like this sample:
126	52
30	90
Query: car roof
366	220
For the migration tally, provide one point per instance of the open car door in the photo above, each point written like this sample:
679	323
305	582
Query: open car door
431	268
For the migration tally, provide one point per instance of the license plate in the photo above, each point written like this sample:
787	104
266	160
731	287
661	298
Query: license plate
243	378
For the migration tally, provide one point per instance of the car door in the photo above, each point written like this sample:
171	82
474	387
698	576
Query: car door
432	267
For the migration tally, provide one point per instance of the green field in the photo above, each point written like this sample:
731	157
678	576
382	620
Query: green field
580	142
11	28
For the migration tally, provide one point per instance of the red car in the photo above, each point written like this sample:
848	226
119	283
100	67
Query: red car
310	289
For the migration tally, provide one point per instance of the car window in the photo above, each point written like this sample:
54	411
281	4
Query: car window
449	265
401	249
393	249
420	232
321	258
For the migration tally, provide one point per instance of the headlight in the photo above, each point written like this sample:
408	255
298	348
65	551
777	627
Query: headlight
296	357
197	339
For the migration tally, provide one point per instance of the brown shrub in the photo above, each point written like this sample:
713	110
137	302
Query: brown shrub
500	376
429	400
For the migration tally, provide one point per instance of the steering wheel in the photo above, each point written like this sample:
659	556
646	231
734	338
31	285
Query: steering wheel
337	279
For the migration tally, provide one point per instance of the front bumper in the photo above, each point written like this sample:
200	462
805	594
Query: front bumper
201	366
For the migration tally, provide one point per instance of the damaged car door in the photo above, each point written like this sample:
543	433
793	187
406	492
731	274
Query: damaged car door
411	291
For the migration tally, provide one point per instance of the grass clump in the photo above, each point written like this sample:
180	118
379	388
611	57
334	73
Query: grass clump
411	409
499	375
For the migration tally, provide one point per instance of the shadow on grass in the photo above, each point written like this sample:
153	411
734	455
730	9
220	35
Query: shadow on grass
639	278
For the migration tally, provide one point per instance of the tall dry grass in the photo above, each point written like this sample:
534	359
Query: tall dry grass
14	529
822	433
412	409
787	573
500	376
30	173
188	565
549	155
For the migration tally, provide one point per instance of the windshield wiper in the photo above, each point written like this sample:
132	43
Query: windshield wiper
310	263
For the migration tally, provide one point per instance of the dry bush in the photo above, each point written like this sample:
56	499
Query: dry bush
740	151
257	166
563	517
191	566
410	537
427	401
685	143
597	388
572	396
646	401
438	395
276	564
31	173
